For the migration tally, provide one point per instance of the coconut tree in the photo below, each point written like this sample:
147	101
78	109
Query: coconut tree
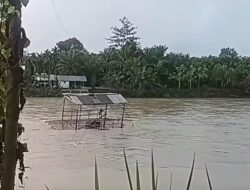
179	75
91	66
219	74
69	62
201	71
191	73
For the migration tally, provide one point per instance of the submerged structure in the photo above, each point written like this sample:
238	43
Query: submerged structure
92	111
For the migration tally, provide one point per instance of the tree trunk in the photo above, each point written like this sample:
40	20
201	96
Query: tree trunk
13	93
12	115
199	81
50	82
190	83
93	80
179	85
44	77
139	89
222	83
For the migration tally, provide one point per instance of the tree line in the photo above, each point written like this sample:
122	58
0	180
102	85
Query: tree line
150	71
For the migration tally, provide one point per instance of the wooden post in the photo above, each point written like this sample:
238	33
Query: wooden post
123	112
105	117
13	98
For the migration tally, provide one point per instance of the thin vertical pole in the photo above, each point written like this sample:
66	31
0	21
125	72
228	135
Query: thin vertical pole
80	113
123	111
77	117
89	114
71	119
105	116
80	117
63	108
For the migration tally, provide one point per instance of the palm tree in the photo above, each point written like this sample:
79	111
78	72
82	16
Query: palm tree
69	63
201	74
91	66
201	71
219	73
179	75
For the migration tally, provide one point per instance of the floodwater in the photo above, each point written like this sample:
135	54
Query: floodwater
218	130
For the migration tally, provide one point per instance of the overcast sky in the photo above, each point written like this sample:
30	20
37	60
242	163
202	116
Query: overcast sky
197	27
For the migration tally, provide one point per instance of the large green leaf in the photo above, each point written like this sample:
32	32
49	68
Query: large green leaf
11	9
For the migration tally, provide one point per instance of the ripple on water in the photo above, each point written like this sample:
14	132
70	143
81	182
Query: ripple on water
216	129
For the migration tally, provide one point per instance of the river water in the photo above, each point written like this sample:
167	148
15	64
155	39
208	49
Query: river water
218	130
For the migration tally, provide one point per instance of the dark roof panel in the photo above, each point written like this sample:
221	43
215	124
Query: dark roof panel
104	99
85	100
97	99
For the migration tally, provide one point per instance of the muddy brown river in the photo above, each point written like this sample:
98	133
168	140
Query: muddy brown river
218	130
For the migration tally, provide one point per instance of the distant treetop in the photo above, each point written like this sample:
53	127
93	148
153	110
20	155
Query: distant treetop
127	33
71	43
228	53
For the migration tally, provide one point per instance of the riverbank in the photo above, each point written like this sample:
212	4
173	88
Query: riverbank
168	93
206	93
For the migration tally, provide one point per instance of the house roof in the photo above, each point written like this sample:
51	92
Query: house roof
70	78
97	99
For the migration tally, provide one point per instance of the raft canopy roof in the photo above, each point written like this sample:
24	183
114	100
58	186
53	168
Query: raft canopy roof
97	99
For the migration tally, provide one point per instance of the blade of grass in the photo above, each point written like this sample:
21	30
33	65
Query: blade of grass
191	174
127	169
156	181
138	177
153	170
208	178
96	176
171	179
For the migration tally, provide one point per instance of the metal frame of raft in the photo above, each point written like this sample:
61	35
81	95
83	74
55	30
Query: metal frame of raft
92	111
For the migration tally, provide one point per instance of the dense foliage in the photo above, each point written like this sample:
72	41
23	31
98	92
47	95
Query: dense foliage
151	71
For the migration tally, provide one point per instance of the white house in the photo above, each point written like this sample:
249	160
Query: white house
71	82
63	81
